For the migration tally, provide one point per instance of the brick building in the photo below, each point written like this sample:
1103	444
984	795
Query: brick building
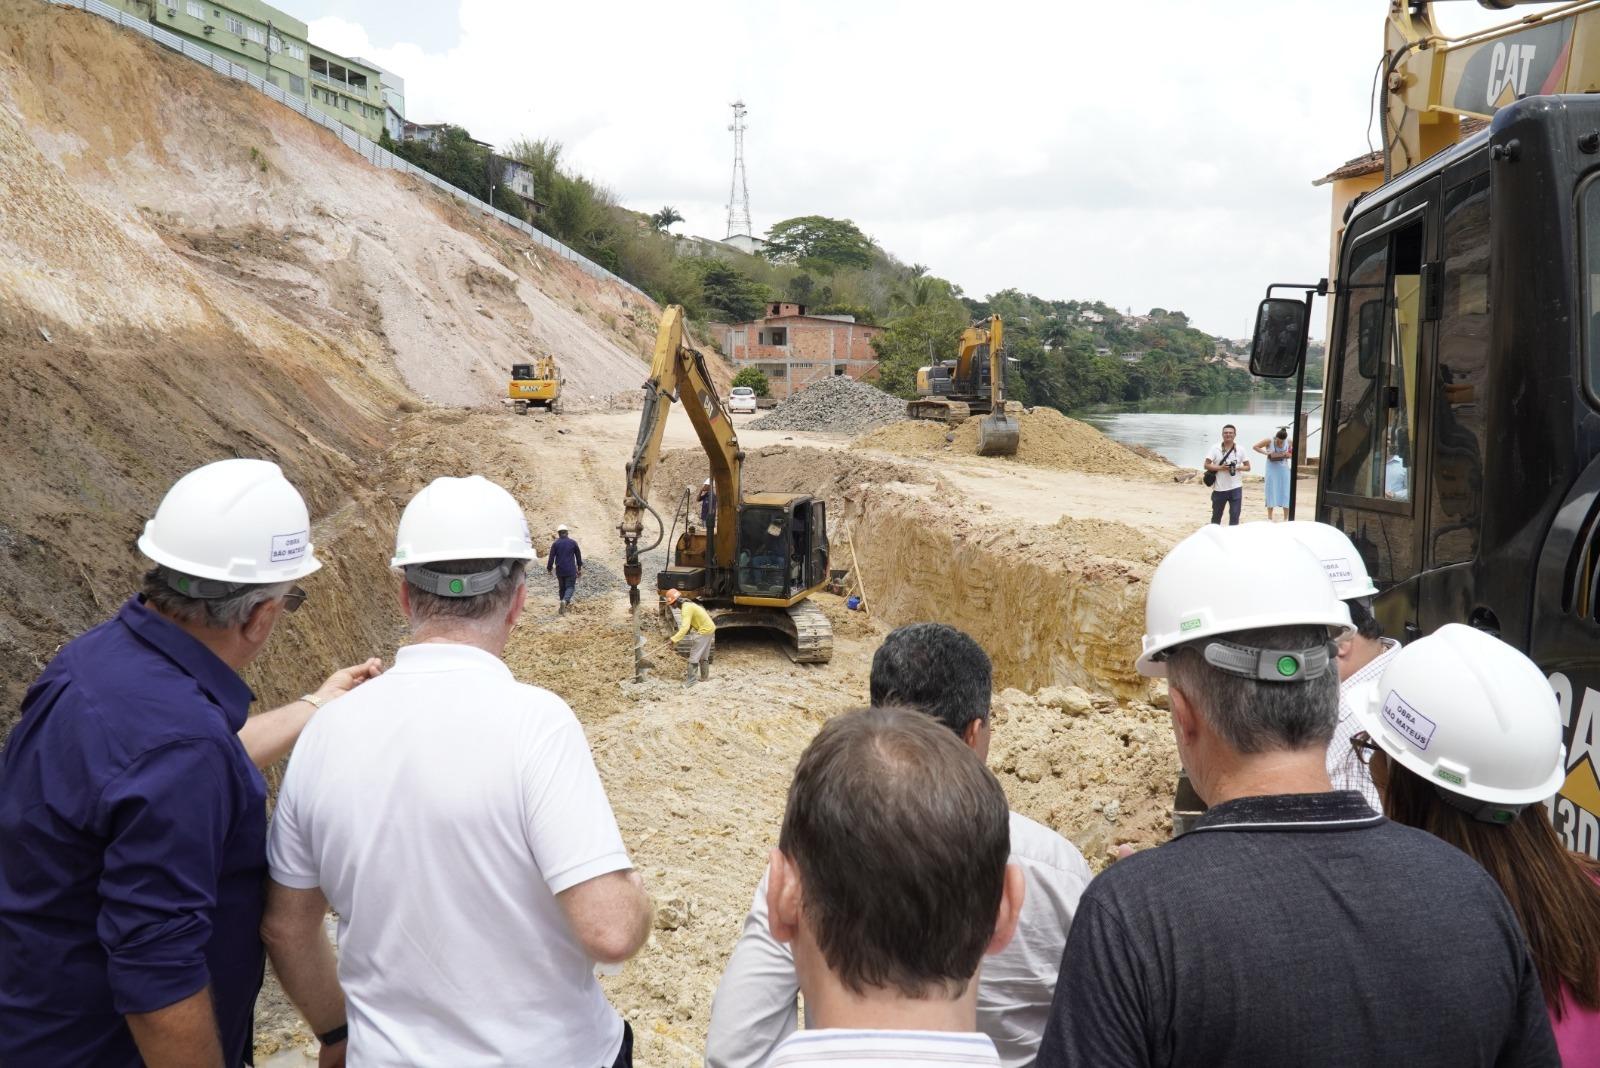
794	349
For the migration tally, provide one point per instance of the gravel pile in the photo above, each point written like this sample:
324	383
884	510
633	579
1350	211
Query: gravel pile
837	405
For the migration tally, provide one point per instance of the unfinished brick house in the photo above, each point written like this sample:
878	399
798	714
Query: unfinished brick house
794	349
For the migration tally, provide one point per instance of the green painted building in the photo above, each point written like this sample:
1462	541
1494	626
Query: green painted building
272	45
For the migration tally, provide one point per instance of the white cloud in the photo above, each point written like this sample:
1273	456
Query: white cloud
1157	153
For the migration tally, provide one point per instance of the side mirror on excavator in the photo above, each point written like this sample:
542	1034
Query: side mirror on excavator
1280	329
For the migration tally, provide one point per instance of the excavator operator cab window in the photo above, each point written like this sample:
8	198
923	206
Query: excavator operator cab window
763	551
522	370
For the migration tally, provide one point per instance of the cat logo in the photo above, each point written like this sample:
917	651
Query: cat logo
1575	810
1509	65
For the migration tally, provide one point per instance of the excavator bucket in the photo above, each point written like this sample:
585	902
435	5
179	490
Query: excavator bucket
999	434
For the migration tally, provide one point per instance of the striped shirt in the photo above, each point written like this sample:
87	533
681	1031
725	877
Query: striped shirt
846	1048
1345	769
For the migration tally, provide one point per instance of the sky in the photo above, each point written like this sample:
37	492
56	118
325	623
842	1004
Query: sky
1157	153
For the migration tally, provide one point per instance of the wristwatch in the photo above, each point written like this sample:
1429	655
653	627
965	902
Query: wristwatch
334	1035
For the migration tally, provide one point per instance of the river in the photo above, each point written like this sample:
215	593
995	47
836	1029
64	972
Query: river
1183	429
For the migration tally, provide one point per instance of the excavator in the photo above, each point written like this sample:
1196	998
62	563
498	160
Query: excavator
534	385
762	555
972	384
1461	420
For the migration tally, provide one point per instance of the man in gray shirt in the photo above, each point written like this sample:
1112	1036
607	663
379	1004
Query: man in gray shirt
942	672
1292	924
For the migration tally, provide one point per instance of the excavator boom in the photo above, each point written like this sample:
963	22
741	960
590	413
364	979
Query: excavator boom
1431	82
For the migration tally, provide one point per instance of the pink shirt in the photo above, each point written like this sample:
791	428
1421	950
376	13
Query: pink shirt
1577	1032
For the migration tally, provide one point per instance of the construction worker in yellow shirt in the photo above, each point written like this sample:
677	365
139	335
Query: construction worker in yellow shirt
698	620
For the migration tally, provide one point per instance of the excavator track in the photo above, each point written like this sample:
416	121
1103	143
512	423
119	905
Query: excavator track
808	634
944	411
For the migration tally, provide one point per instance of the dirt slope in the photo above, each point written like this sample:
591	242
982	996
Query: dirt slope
189	271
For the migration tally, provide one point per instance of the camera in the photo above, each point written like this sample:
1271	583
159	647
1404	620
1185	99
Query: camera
1233	469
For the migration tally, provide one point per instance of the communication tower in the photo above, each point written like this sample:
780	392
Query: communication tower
739	192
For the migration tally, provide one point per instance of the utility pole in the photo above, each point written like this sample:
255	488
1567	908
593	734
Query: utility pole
739	192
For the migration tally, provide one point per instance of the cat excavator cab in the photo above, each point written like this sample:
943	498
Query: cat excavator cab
1461	420
763	554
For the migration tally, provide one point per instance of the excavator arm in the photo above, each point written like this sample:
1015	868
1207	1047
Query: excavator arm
1431	82
999	432
678	371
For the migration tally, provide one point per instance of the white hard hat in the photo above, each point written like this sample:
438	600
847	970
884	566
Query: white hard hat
1220	580
233	521
1339	557
461	519
562	527
1473	716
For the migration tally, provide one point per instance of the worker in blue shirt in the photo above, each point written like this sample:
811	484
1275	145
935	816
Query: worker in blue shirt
566	560
132	807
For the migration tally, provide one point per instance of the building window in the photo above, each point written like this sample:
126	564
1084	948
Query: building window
233	25
196	11
254	33
296	52
274	43
297	85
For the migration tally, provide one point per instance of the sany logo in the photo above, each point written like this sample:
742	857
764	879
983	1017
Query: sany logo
1575	810
1508	70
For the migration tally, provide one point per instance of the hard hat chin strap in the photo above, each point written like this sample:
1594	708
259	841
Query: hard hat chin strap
437	582
1270	665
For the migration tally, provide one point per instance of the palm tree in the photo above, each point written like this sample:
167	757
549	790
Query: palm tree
663	219
919	292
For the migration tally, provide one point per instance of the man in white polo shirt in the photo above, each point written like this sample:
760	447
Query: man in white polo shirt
455	821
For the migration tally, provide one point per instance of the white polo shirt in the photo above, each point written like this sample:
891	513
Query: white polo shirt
849	1048
441	807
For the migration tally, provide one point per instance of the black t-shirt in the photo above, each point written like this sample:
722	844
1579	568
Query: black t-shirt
1298	930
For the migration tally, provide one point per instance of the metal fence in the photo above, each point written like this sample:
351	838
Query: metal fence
366	149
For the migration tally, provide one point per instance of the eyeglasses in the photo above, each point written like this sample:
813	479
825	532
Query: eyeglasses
294	599
1364	747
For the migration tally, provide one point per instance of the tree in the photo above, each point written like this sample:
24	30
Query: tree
752	377
727	292
920	291
662	220
919	336
818	244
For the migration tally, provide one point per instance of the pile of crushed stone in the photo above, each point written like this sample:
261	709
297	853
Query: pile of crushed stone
837	405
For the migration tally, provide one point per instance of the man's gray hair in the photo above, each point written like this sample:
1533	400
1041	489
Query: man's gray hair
426	605
220	613
1252	715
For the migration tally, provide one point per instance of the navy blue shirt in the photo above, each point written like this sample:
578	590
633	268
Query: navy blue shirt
132	846
565	557
1298	929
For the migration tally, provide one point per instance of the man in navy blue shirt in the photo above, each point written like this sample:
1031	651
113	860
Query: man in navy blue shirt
132	810
566	560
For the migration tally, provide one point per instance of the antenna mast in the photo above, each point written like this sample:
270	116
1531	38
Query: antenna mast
739	192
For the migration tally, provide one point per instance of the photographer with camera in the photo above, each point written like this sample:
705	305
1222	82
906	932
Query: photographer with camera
1222	475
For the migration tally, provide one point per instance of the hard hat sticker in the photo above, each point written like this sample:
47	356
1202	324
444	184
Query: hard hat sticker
1189	624
1413	726
287	548
1338	569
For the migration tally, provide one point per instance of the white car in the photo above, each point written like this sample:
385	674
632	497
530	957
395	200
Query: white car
743	399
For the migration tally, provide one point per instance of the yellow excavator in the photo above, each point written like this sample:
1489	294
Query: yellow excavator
762	555
973	383
534	385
